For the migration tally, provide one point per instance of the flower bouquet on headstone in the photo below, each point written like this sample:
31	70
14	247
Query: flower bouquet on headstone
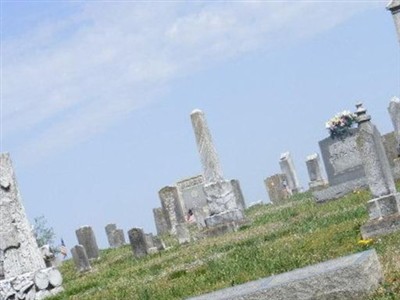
339	126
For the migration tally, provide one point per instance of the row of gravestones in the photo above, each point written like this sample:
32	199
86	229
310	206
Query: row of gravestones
369	164
355	276
343	164
207	201
190	200
87	249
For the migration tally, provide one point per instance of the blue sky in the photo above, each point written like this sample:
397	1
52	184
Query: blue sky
97	95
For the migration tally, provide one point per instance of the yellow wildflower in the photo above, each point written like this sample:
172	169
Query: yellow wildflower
365	242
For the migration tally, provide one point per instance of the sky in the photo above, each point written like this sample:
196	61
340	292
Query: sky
96	95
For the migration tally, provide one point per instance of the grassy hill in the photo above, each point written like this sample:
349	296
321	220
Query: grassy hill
279	239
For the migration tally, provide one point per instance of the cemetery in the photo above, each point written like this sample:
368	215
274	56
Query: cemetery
336	237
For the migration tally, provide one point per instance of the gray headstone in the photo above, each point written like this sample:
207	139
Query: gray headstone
19	252
313	163
149	240
160	221
276	188
137	239
376	164
182	234
380	180
287	168
237	190
347	278
193	197
391	147
80	258
171	205
87	239
109	232
115	236
342	159
394	7
119	238
394	112
220	193
158	243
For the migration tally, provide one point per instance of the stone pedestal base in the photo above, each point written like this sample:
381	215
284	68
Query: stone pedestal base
28	285
337	191
378	227
317	185
229	216
383	206
220	197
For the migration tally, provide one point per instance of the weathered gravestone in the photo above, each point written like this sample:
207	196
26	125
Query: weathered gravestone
119	237
276	186
317	181
19	252
23	274
384	207
158	243
137	239
343	165
394	112
391	141
237	190
171	206
193	197
287	168
87	239
394	7
109	229
160	221
351	277
80	258
115	236
220	193
183	234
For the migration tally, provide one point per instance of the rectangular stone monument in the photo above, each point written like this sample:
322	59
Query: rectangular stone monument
183	234
352	277
385	202
343	166
19	252
342	159
119	238
317	181
115	236
287	168
394	7
391	147
276	188
158	243
149	240
237	190
193	197
137	239
172	208
80	258
392	141
220	194
160	221
87	239
109	232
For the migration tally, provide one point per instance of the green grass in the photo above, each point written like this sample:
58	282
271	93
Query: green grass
279	239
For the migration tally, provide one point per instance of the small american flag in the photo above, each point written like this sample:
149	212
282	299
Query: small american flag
63	249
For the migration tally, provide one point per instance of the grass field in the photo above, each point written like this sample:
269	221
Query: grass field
279	239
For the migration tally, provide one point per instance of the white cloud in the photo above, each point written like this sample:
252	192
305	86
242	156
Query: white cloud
68	79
